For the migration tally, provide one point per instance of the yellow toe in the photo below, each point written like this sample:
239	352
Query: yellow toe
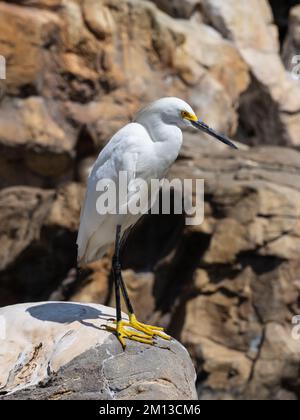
122	331
150	330
142	340
136	331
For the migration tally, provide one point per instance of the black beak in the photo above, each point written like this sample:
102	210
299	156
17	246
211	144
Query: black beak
203	127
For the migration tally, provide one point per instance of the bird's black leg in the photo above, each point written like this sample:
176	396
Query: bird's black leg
138	332
125	295
118	272
121	327
148	330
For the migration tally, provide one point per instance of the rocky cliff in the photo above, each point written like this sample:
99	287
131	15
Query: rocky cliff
76	72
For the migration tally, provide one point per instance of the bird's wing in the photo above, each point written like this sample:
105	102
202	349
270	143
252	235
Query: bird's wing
122	153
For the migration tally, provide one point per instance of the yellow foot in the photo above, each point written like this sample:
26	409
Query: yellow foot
137	331
150	330
123	332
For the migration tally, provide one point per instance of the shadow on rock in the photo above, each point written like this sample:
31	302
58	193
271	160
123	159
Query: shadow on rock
64	312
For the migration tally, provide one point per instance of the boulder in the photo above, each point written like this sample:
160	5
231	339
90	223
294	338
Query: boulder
60	350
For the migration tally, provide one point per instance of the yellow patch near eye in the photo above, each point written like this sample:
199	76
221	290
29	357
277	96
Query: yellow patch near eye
187	116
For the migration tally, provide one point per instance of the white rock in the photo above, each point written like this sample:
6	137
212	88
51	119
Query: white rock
61	350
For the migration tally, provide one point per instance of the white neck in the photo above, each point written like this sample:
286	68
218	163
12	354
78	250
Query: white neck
159	130
167	138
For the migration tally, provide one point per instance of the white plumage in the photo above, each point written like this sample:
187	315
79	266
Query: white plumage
145	149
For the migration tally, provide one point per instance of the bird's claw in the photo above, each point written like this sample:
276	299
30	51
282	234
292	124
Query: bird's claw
150	330
122	331
137	331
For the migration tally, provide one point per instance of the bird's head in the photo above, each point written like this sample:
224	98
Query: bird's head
177	112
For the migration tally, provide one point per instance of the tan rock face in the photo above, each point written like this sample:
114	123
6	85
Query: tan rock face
217	287
238	20
65	211
225	282
99	18
34	143
76	72
95	286
74	63
23	210
33	126
24	34
273	95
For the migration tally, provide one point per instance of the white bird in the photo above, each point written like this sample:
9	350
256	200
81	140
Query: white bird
143	149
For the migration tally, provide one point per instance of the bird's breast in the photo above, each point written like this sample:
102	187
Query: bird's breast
161	148
166	152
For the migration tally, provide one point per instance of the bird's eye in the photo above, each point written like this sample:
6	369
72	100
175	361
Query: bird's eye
184	114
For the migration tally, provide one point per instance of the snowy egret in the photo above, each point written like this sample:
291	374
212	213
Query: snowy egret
143	149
